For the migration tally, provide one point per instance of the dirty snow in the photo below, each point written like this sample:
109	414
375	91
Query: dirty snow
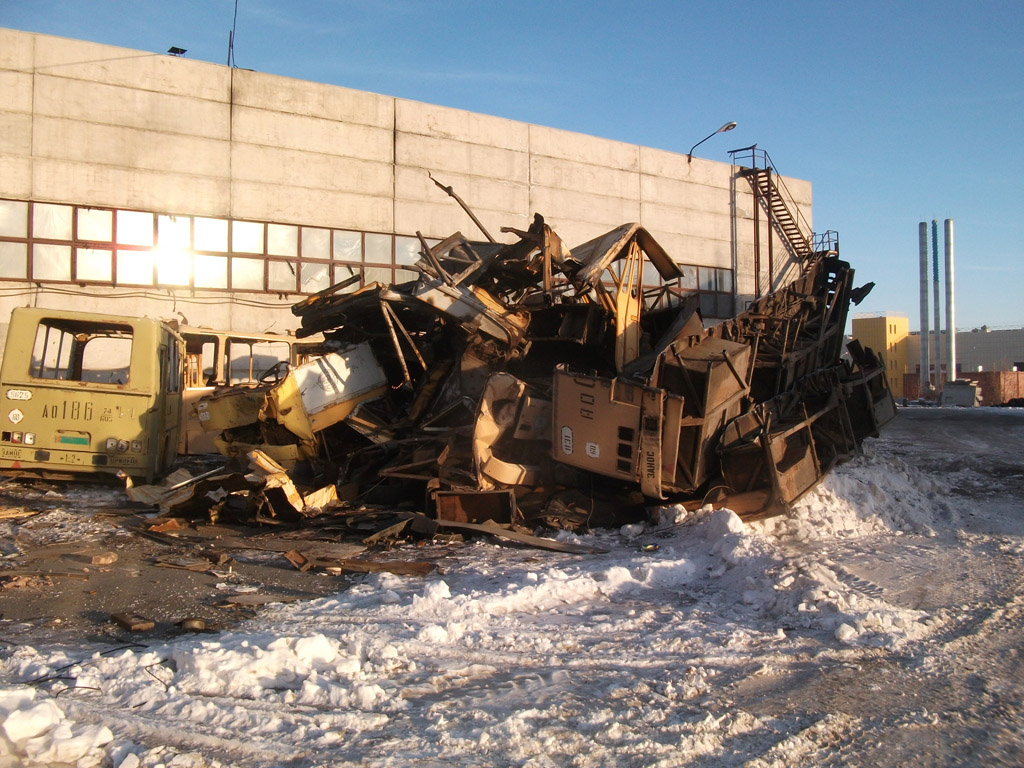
817	638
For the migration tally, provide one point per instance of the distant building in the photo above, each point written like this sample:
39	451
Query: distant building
979	351
886	335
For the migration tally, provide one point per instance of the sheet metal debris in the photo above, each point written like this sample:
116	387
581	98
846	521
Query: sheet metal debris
528	383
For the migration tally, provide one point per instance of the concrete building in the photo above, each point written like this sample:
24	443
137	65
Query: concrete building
141	183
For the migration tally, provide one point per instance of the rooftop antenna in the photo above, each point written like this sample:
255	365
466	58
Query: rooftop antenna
231	37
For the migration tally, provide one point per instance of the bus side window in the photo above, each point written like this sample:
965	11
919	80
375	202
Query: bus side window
172	378
96	353
51	354
267	354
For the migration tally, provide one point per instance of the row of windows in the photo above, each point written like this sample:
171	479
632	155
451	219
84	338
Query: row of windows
49	242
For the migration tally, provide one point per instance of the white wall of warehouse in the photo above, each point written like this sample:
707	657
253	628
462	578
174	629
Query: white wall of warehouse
90	124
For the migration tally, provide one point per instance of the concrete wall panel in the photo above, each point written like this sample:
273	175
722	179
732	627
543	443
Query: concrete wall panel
664	218
17	90
16	50
156	72
64	180
584	177
288	167
566	145
16	176
130	148
283	94
15	134
581	207
658	162
479	193
298	205
130	107
442	155
311	134
459	125
696	199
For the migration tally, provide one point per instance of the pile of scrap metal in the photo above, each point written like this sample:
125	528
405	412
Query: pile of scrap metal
527	382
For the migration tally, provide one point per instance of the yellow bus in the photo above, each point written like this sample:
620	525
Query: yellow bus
216	358
89	393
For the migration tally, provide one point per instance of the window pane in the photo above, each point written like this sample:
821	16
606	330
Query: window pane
343	272
725	306
210	271
211	234
348	246
93	264
725	280
378	248
282	240
173	267
707	279
688	282
649	274
134	228
14	260
707	305
247	236
316	243
51	262
407	250
174	232
13	218
315	276
377	275
94	224
280	276
135	267
405	275
247	274
51	221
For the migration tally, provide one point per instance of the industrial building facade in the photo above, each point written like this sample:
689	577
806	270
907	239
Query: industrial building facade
979	351
146	184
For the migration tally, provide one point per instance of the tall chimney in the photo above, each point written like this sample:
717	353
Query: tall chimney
936	312
922	236
950	309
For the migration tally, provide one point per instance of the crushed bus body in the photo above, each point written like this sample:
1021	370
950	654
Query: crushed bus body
533	383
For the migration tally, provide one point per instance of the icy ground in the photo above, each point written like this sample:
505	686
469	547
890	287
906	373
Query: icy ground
879	625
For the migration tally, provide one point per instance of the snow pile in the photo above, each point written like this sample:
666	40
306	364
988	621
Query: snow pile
35	731
867	496
510	657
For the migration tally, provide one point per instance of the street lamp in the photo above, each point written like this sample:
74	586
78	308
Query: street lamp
723	129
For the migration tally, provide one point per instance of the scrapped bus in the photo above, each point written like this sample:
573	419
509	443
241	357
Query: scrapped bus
89	393
217	358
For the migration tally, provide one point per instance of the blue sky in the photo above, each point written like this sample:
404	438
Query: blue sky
897	112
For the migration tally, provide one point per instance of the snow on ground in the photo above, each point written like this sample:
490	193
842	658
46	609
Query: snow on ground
525	658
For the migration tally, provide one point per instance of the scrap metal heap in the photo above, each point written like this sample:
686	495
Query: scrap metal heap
527	382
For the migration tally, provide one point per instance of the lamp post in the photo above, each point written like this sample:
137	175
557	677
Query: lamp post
727	127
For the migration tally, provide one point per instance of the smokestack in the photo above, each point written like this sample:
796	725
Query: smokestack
922	236
935	308
950	310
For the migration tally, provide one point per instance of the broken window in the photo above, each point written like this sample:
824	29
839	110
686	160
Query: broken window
76	351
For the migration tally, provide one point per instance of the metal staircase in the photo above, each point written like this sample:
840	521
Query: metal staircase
784	217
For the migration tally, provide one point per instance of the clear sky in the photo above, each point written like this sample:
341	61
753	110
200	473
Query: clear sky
897	112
